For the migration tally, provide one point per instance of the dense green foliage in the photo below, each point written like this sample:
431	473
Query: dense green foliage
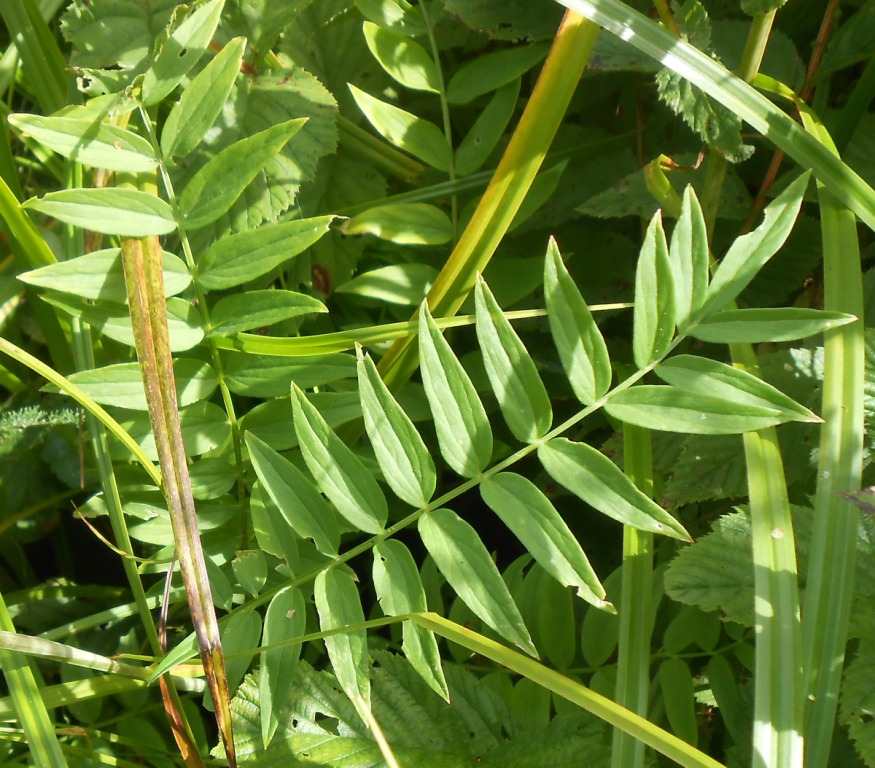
498	415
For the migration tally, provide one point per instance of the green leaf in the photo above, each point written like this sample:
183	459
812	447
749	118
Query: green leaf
673	410
580	344
121	385
484	135
492	70
403	59
701	375
654	297
202	101
750	252
250	569
272	531
731	326
402	455
99	276
204	427
180	51
460	420
126	212
265	376
285	619
395	15
114	320
536	523
676	684
239	639
216	186
521	394
688	256
298	501
510	19
404	284
403	223
419	137
242	257
400	592
470	571
255	309
593	477
338	606
337	470
89	141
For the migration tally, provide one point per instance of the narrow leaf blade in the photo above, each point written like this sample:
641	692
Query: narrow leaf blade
752	326
654	297
689	256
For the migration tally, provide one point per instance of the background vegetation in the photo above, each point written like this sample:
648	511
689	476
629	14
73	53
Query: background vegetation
491	379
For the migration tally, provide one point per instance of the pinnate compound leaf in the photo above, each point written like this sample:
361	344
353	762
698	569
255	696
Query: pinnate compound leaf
295	497
730	326
462	426
180	51
99	276
255	309
404	284
285	619
337	470
89	141
654	297
202	101
400	592
465	563
242	257
594	478
121	385
492	70
403	223
338	606
484	135
581	347
688	256
521	394
216	186
704	376
673	410
402	455
125	212
419	137
403	59
750	252
536	523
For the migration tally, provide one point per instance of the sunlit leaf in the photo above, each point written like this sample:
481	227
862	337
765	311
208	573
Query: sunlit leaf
688	256
403	59
255	309
753	326
404	284
403	223
492	70
653	324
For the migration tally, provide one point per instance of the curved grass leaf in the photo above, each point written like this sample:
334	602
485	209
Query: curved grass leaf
255	309
753	326
180	51
403	59
704	376
460	420
477	145
242	257
492	70
338	606
402	455
216	186
470	571
296	498
201	102
99	276
400	592
403	223
521	394
580	344
672	410
126	212
536	523
654	297
285	619
419	137
89	141
342	477
594	478
688	256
